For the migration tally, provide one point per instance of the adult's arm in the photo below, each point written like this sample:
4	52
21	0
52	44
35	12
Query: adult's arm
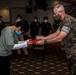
58	38
64	31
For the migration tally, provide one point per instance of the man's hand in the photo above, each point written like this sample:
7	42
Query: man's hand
40	42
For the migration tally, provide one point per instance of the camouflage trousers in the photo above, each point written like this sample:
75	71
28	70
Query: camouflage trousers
71	56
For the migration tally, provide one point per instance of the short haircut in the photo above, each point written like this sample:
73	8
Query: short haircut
59	6
18	24
35	17
45	18
21	24
19	16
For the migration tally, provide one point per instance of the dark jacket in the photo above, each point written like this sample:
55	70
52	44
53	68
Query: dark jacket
45	28
34	28
2	25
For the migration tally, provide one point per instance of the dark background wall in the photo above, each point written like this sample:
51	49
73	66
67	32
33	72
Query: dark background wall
30	8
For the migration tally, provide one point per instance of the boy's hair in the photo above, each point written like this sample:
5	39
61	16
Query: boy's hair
23	24
35	17
19	24
19	16
45	18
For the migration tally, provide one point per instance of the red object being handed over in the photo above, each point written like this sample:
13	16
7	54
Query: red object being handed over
34	40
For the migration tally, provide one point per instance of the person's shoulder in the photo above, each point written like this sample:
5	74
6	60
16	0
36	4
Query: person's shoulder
8	28
70	18
68	21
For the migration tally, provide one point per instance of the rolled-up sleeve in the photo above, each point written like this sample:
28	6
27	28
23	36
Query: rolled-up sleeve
65	29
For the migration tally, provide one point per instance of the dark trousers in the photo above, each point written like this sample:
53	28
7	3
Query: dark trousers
45	48
4	65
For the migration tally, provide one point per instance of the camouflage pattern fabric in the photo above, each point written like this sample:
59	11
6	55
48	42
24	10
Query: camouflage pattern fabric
68	25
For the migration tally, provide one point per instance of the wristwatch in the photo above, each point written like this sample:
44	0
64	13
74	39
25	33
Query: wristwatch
45	42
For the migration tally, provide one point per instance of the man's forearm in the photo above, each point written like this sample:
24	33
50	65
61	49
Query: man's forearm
54	40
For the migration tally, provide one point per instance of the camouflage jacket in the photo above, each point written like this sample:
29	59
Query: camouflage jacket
68	25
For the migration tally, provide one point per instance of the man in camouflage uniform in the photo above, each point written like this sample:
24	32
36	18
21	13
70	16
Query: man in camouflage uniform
67	33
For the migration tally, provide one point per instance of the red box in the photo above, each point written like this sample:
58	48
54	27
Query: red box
34	40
